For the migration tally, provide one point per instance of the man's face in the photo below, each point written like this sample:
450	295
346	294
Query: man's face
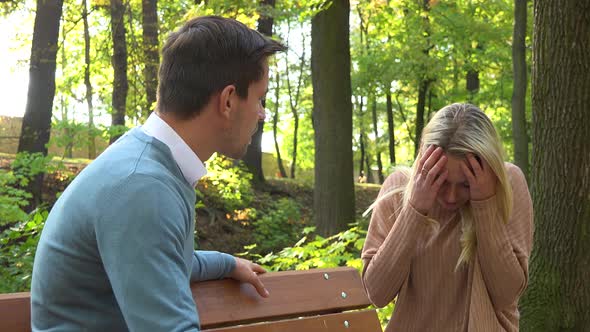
245	122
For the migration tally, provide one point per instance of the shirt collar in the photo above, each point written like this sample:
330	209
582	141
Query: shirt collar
190	165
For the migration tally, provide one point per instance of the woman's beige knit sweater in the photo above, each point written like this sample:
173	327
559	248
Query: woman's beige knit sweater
405	257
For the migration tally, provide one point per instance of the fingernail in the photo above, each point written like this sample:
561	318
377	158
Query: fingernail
266	292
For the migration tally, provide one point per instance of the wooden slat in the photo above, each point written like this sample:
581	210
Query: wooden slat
227	302
15	312
292	294
358	321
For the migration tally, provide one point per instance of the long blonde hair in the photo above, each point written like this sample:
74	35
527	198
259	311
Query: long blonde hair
460	129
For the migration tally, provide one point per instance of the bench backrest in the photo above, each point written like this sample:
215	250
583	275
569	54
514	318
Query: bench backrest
313	300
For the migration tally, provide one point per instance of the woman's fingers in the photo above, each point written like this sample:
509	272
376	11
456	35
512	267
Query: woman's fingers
432	160
440	180
425	156
468	172
436	170
475	166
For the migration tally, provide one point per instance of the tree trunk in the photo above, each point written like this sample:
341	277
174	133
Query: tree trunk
294	103
390	128
377	148
253	157
558	295
294	153
425	80
37	119
369	172
332	120
152	57
69	147
362	161
120	83
88	84
275	121
423	89
519	132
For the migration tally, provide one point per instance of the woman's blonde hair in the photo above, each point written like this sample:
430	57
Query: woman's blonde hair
461	129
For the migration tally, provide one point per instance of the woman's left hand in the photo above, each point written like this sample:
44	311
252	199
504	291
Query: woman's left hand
482	180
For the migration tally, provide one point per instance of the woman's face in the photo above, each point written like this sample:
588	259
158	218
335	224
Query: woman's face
454	192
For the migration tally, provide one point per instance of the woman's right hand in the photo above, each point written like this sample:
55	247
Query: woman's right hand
429	176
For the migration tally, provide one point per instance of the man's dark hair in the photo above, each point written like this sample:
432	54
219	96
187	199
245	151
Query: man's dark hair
204	56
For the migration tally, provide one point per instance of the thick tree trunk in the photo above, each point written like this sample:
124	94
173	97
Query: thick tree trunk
332	119
558	295
519	132
377	147
253	157
88	84
120	83
390	128
150	48
37	119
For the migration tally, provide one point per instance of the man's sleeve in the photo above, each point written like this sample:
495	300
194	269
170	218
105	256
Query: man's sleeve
142	240
211	265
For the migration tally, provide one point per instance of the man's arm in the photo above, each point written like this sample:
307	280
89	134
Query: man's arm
143	240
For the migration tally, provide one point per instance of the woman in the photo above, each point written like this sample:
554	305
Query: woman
451	237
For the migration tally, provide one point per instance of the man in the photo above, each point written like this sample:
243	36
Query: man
117	252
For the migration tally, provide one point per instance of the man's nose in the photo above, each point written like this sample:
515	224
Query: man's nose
262	114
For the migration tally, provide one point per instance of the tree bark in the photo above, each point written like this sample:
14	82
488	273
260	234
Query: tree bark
376	132
422	90
275	121
424	81
294	103
119	59
390	128
558	295
332	119
253	157
37	119
519	125
88	84
152	57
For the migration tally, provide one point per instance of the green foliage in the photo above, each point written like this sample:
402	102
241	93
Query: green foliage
12	200
227	185
28	165
280	225
17	251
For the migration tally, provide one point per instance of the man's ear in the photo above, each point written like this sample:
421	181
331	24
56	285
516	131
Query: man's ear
227	101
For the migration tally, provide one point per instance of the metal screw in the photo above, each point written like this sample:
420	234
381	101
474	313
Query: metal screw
326	276
344	295
346	324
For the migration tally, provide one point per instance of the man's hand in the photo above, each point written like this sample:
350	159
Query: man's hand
247	271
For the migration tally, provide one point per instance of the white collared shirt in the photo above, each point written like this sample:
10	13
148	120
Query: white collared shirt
187	160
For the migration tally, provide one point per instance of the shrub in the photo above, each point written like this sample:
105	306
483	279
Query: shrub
227	185
279	225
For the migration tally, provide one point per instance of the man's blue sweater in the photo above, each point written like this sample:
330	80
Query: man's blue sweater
116	252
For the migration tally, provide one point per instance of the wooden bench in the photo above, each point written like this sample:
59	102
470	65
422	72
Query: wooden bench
314	300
